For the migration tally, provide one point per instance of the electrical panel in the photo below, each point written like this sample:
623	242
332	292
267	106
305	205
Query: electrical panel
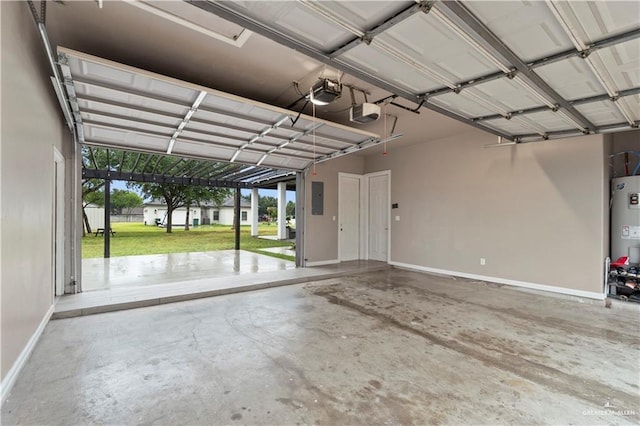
317	198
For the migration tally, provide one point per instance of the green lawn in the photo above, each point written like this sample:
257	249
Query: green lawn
136	239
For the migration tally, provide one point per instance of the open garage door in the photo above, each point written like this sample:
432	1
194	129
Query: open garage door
212	138
124	107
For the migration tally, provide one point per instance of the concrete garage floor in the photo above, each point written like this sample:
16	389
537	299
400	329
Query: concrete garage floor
136	271
390	347
139	281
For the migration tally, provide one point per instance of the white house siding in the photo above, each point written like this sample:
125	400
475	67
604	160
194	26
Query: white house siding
179	216
226	216
151	212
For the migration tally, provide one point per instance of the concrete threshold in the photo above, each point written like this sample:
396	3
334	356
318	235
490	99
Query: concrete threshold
101	301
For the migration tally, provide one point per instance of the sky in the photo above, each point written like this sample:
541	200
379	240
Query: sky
291	195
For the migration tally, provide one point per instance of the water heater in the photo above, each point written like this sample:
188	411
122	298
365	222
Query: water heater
625	218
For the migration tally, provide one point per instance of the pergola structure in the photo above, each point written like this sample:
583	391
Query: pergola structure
131	166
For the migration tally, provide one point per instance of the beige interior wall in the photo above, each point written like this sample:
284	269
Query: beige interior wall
533	211
321	235
31	125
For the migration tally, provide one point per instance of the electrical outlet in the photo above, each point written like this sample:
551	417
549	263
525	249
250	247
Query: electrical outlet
483	261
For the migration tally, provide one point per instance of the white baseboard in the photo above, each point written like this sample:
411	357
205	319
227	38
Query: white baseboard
523	284
10	379
322	262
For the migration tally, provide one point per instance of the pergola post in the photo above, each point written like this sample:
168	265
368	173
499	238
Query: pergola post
107	218
254	212
236	212
300	220
282	210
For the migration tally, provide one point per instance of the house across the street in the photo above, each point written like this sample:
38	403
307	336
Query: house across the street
155	212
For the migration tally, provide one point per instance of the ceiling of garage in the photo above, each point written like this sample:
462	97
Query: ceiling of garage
523	70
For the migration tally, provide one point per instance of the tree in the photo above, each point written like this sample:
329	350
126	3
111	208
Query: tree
103	159
178	195
175	195
194	195
264	203
291	209
91	194
122	199
96	198
272	212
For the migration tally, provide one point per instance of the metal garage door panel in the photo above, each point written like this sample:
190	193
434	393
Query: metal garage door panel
600	19
287	133
337	134
366	14
202	150
294	19
465	105
633	102
128	112
84	90
379	64
141	110
571	78
205	20
262	145
511	94
623	63
131	123
513	127
526	27
285	163
233	131
601	113
218	130
219	139
132	80
241	106
549	121
124	138
445	53
85	70
249	157
271	140
245	126
304	151
303	22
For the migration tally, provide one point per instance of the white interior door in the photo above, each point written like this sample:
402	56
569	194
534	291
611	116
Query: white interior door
379	205
349	217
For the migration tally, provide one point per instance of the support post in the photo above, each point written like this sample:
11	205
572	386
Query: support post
300	219
236	212
107	218
282	210
254	212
